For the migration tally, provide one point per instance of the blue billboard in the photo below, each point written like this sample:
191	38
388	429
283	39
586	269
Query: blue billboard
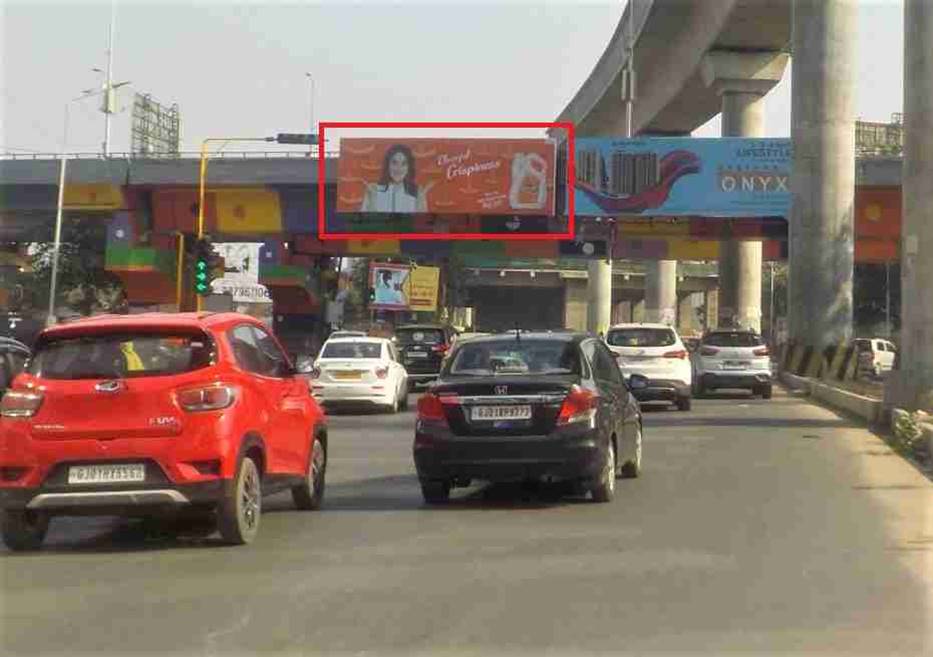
729	177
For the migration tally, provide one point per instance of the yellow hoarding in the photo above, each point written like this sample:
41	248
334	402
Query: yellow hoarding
423	283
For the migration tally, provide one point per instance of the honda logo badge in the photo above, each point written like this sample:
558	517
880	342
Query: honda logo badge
501	390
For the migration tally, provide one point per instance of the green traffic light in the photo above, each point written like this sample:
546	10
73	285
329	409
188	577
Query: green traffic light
201	264
202	276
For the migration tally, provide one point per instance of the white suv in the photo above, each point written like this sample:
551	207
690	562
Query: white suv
656	352
875	356
733	358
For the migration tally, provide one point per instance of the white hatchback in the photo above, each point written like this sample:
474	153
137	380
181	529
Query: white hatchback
353	371
656	352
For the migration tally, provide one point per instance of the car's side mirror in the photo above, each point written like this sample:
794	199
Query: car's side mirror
637	382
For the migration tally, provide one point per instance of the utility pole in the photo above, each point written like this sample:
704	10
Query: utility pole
108	105
313	128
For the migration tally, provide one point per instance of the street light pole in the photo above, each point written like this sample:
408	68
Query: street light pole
57	240
202	183
311	107
60	211
108	103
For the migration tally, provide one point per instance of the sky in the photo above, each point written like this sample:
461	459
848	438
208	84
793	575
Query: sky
239	69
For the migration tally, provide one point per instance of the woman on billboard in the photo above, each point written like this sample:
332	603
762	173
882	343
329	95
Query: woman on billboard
396	190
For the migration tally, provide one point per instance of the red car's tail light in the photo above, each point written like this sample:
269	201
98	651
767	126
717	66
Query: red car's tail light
20	403
680	353
708	351
213	398
430	408
382	372
578	406
763	351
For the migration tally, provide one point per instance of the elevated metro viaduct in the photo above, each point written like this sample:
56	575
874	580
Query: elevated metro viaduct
695	59
145	202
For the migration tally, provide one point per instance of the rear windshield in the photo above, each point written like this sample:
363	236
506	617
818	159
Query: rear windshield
729	339
419	336
352	350
538	357
122	356
641	337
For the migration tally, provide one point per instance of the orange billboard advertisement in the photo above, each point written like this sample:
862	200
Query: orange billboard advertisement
446	176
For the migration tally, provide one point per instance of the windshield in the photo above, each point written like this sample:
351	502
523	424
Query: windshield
641	337
419	336
516	357
121	356
369	350
732	339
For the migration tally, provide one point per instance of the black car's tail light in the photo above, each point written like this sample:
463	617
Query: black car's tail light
21	403
431	408
578	406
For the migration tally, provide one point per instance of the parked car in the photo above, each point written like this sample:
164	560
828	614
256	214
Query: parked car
528	406
422	348
656	352
733	359
875	356
360	370
13	356
157	415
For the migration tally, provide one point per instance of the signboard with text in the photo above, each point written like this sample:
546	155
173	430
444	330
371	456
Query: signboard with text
729	177
403	287
446	176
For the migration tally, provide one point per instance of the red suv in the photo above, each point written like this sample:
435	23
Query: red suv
157	414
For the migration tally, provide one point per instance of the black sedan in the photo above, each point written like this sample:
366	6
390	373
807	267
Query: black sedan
528	407
13	356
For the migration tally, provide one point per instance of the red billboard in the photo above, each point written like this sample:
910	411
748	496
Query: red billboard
446	176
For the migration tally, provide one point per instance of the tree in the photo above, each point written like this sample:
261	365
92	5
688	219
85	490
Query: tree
84	286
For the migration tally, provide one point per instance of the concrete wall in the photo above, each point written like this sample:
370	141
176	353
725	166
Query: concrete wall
575	304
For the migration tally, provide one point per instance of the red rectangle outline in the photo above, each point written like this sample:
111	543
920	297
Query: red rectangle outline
323	235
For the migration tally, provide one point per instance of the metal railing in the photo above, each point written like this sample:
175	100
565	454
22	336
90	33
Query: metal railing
183	155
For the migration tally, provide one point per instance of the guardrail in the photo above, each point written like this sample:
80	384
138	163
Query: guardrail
183	155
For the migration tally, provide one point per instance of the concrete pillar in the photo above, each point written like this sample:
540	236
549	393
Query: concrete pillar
823	174
711	301
575	304
912	386
661	291
742	80
638	311
598	296
686	313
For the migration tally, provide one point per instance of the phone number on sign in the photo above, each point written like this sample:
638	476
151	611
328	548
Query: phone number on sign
255	292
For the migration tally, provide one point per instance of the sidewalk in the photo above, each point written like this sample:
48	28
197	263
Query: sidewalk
911	434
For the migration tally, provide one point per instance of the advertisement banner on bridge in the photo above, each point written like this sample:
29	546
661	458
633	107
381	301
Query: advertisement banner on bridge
446	176
403	287
729	177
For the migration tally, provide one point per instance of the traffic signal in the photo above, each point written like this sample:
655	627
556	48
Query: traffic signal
372	294
203	274
304	138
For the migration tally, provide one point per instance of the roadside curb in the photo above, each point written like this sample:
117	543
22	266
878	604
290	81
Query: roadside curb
872	411
866	408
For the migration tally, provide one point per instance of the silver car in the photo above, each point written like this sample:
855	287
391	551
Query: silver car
733	359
